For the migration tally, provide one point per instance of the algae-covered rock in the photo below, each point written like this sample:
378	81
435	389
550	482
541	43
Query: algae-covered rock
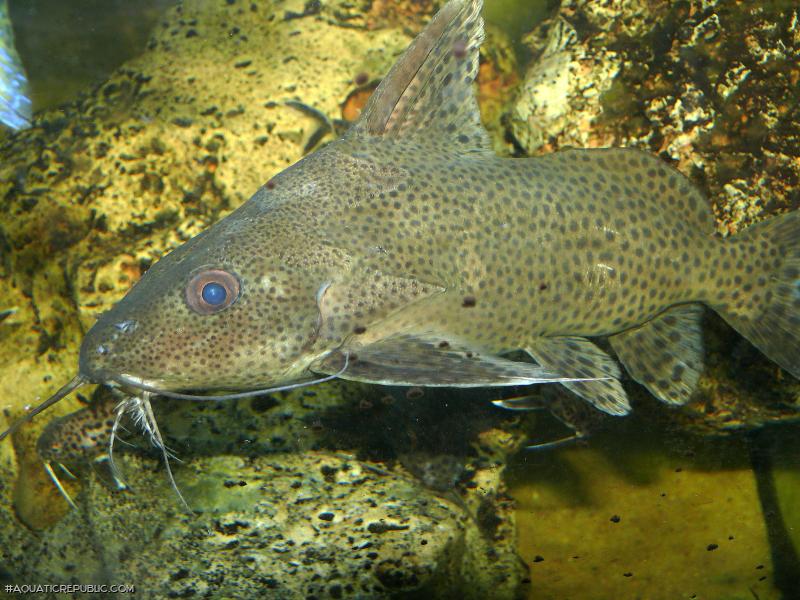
283	526
711	87
288	523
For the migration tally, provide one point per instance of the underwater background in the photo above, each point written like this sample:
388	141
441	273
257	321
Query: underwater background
155	119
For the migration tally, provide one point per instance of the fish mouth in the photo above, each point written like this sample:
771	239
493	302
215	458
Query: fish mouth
148	387
138	383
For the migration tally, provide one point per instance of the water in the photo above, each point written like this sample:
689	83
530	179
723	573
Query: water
69	46
357	491
645	511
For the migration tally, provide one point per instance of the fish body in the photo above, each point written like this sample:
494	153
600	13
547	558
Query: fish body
15	104
408	253
77	440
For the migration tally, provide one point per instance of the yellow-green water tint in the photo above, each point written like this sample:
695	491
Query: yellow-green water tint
517	17
67	47
642	515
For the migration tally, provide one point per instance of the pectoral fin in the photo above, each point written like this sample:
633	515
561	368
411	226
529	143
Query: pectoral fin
665	354
407	359
579	358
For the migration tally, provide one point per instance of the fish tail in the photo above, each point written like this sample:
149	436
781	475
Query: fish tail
763	301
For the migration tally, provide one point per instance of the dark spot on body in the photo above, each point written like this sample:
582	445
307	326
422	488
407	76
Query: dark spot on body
460	49
262	404
328	473
359	329
229	484
415	393
469	301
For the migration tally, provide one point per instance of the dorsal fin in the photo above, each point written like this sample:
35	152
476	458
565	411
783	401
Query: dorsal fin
428	93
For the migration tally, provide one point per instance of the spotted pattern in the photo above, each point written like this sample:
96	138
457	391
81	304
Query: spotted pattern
580	358
79	437
763	303
428	93
666	353
410	226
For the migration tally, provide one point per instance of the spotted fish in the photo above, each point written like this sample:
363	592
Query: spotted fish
408	253
78	439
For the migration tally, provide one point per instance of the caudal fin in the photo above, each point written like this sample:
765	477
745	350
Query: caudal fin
765	305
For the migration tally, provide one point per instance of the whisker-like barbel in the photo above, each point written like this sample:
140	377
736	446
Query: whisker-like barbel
127	381
412	249
67	389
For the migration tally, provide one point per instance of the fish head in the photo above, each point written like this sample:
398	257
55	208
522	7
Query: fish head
267	294
233	308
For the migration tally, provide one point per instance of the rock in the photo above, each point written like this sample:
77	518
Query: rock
283	526
274	524
711	87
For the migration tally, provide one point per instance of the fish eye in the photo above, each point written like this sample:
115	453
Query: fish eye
212	291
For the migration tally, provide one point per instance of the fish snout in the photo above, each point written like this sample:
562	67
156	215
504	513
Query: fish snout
99	348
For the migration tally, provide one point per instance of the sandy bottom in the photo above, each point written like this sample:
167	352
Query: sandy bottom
640	514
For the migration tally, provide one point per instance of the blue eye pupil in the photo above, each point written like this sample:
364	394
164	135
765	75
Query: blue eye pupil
214	294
